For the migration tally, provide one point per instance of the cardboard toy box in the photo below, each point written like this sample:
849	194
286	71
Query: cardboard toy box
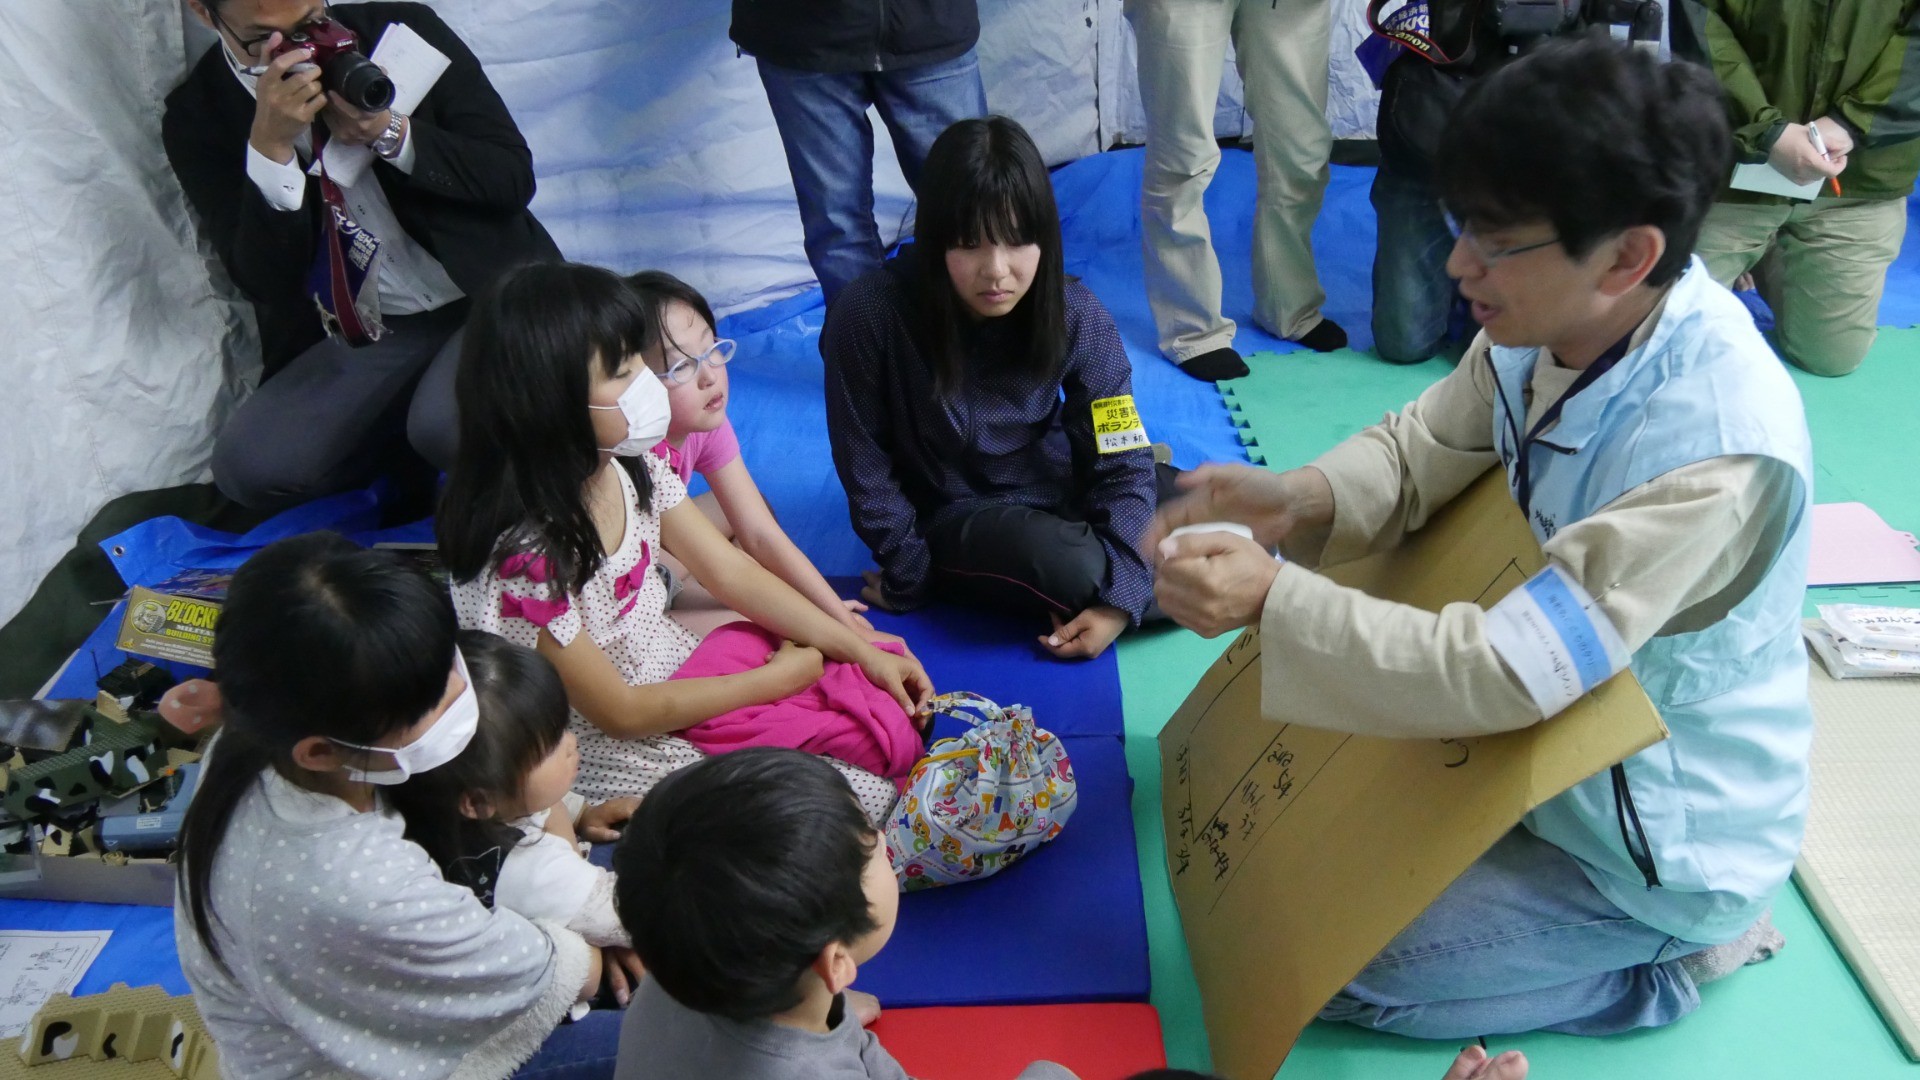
174	619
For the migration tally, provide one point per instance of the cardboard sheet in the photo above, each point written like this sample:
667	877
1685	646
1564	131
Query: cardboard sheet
1296	853
1860	864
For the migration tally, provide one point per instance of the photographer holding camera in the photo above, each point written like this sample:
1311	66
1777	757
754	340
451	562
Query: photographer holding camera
360	288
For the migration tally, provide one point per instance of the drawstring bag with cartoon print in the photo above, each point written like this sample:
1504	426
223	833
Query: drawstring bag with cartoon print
976	804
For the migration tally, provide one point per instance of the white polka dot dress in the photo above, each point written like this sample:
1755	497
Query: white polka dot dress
623	609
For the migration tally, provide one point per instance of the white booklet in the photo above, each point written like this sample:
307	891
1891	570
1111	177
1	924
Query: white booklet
414	66
1765	179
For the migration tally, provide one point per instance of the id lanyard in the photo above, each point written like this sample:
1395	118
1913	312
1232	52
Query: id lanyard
1627	814
1523	461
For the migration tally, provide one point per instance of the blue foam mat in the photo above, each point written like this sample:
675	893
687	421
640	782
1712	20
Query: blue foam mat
140	952
1065	924
1000	658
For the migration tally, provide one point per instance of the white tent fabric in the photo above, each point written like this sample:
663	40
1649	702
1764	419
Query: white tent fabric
120	338
652	142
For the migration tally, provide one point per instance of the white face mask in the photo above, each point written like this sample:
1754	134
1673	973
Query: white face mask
440	743
645	405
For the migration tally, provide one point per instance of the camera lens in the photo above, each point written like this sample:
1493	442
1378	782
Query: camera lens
360	81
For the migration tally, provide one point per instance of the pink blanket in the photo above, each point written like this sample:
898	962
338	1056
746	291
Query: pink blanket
842	716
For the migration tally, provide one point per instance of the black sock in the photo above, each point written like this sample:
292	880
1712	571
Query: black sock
1222	363
1325	336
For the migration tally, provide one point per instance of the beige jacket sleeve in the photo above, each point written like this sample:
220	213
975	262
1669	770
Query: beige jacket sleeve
1373	667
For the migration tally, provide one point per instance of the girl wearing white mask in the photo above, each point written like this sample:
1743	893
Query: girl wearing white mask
555	512
317	939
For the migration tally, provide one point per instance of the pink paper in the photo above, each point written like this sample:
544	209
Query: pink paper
1853	546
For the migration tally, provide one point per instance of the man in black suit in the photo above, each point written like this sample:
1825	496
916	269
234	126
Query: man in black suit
446	197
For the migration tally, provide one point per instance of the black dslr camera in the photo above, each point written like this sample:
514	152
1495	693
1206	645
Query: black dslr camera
343	70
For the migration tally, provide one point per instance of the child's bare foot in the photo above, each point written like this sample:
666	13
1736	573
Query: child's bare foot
864	1006
1474	1064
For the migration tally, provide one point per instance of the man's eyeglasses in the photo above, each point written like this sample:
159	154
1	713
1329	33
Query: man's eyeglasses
685	368
251	46
1490	256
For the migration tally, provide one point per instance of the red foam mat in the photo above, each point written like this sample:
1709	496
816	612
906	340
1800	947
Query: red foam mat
994	1042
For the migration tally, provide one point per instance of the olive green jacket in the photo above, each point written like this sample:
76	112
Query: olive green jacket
1794	61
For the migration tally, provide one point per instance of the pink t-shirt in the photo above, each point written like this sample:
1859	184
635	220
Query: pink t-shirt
703	452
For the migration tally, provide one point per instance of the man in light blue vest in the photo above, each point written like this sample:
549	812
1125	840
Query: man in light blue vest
1660	454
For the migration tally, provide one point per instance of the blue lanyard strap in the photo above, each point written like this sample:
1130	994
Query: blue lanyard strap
1523	467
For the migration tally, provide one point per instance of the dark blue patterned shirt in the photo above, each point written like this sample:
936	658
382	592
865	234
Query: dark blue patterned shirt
910	461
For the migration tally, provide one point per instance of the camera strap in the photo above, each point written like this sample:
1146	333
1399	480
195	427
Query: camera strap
342	281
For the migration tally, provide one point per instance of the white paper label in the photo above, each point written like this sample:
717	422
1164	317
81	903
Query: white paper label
1553	636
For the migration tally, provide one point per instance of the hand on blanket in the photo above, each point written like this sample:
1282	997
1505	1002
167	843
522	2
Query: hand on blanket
1087	634
623	972
904	678
1474	1064
794	668
601	822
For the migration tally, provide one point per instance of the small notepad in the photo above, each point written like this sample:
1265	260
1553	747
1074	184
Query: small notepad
1768	180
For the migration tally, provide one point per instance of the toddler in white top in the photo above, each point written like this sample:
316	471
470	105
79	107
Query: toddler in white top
500	818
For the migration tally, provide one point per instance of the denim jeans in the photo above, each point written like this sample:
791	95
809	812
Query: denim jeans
1521	942
829	141
1414	301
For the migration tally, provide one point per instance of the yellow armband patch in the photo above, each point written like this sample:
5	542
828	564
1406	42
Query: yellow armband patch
1117	426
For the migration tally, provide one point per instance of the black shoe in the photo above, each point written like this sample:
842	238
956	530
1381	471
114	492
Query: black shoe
1222	363
1326	336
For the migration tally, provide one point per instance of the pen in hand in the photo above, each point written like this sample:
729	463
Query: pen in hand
1820	147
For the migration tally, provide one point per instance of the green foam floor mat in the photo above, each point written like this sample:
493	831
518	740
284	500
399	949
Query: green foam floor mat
1295	405
1799	1015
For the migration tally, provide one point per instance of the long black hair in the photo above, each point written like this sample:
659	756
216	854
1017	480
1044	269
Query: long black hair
985	182
657	289
523	717
317	637
527	447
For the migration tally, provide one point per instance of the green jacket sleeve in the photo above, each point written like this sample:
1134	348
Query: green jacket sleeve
1884	107
1702	35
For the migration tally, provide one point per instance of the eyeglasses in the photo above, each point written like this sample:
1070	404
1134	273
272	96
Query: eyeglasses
251	46
1490	257
685	368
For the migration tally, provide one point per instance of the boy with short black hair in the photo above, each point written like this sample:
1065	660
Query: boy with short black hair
754	888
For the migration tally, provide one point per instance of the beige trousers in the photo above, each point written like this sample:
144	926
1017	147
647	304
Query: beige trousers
1281	51
1821	266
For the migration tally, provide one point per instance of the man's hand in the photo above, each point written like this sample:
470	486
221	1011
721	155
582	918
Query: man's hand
286	102
1087	634
873	592
1794	157
1838	138
623	972
1272	504
351	126
600	823
1214	582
